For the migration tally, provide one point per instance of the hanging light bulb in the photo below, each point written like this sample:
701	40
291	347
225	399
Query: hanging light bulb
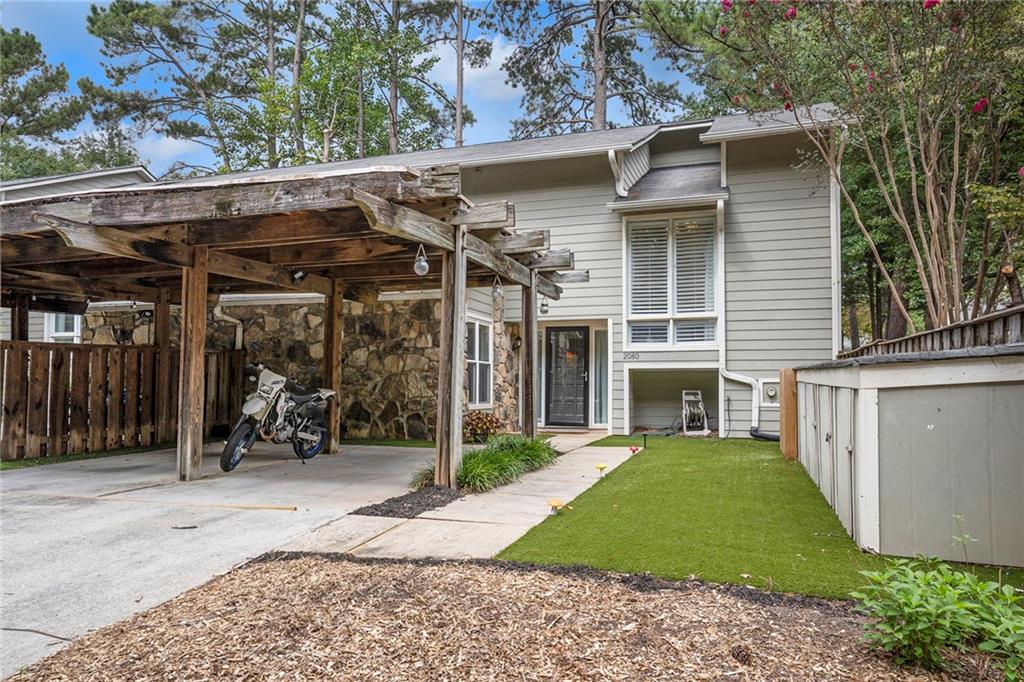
497	290
544	307
420	266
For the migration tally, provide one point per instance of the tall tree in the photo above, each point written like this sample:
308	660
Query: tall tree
574	59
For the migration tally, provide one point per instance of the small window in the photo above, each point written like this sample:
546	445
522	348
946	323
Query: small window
63	328
479	363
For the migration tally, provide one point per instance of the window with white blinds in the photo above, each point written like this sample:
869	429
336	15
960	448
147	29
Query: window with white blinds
671	280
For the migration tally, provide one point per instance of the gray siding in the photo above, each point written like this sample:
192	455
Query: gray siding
946	451
36	325
681	148
635	165
777	278
657	395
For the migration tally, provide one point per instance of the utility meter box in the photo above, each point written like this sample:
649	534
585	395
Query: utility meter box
771	394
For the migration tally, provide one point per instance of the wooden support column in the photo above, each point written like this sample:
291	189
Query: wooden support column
162	341
788	413
334	331
452	363
529	356
19	317
192	372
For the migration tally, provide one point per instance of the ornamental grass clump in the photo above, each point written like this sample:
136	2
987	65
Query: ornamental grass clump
921	610
505	458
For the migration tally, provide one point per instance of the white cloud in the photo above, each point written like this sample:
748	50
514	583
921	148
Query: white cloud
161	151
485	83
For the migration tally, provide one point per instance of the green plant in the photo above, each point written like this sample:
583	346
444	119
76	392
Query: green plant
504	459
480	425
919	609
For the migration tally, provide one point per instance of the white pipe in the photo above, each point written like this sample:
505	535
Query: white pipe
755	394
219	314
615	162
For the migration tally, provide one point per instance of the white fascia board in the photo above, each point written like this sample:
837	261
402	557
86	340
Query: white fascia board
140	171
686	202
545	156
766	131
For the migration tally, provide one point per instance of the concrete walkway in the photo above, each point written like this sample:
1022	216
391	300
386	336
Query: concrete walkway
473	527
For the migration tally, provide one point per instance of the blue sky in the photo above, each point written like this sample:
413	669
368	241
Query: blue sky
60	27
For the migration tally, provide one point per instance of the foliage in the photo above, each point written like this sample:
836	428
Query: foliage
478	423
575	60
921	609
503	460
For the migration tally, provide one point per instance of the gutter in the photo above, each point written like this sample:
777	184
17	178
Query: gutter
615	161
219	314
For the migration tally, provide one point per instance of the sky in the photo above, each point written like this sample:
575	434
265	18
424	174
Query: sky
59	25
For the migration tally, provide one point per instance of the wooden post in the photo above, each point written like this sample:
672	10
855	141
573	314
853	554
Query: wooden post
788	413
334	331
192	372
529	356
162	341
19	318
452	363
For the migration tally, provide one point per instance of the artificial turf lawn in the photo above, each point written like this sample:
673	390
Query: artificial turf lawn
730	511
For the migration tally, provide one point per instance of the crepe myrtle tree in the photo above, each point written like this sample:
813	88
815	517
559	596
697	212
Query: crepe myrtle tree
925	93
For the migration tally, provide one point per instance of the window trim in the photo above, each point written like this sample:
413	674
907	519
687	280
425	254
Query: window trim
51	335
471	363
714	316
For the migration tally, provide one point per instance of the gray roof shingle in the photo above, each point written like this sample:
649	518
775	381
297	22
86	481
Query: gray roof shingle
676	184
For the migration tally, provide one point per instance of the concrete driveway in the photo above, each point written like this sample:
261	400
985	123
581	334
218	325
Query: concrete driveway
88	543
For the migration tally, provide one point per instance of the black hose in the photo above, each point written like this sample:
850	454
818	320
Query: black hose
756	433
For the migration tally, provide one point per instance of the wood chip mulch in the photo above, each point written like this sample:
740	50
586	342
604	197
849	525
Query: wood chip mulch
411	504
337	618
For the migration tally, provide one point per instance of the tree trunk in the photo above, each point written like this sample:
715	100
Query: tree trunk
851	315
600	116
360	102
393	84
1013	285
300	137
896	325
272	160
460	47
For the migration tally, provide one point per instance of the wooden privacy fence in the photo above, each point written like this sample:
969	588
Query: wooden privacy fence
63	398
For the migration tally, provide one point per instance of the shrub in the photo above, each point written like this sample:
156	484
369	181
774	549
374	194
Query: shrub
920	609
504	459
480	425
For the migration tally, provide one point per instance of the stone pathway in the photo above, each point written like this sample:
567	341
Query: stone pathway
472	527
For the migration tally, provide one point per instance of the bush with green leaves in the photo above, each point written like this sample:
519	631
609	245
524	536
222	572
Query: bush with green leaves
921	609
505	458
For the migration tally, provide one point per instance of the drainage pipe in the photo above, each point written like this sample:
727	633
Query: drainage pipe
755	403
219	314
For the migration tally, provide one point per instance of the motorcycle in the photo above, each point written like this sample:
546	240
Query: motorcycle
279	410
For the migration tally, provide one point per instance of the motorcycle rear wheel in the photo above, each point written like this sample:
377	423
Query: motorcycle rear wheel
309	449
238	442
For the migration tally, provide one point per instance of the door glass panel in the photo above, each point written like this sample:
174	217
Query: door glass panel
567	376
601	376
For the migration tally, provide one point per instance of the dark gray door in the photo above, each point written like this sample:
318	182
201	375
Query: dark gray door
568	361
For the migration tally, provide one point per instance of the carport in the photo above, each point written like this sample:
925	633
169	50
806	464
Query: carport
342	234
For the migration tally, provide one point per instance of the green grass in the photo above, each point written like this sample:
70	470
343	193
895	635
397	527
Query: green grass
505	458
394	443
731	511
7	465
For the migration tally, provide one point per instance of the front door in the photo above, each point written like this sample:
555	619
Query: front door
568	362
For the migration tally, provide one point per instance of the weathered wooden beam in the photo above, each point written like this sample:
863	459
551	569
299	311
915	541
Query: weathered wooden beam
329	253
452	365
162	340
521	242
487	216
46	304
290	228
31	281
334	330
548	261
54	250
192	370
125	244
19	317
198	201
574	277
528	356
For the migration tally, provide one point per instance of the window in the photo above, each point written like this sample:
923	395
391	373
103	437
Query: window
63	328
478	361
671	270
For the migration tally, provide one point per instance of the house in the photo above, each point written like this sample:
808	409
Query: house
711	259
49	326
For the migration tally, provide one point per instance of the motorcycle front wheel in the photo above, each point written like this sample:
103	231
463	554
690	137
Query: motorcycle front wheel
307	449
238	442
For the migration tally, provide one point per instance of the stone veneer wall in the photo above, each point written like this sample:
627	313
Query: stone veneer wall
389	357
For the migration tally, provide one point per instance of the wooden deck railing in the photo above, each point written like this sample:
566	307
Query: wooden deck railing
63	398
996	329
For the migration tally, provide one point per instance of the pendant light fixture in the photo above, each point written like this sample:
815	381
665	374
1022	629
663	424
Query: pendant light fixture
420	266
497	290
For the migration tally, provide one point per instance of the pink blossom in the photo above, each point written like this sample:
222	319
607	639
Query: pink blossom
790	13
726	5
746	14
775	2
723	31
980	105
1020	171
751	2
928	4
851	66
736	99
871	87
789	106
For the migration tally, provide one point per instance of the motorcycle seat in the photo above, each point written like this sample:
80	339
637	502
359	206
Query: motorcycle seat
301	399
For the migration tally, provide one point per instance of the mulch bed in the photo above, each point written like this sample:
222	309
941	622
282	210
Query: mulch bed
411	504
295	617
